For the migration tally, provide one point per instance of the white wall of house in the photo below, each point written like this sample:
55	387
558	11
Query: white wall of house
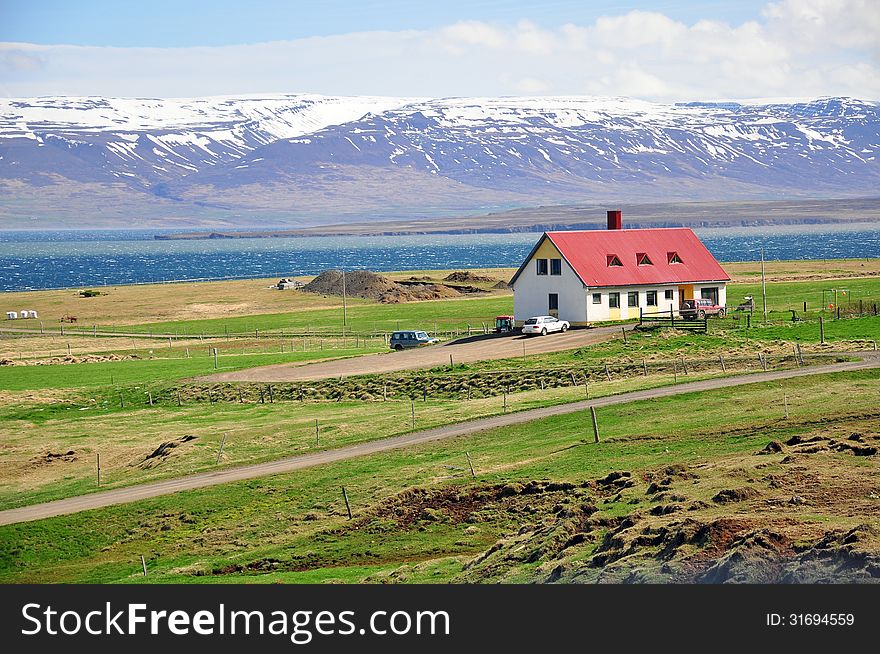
531	292
603	311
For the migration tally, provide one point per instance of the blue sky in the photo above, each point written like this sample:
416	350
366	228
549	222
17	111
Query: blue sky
180	23
659	51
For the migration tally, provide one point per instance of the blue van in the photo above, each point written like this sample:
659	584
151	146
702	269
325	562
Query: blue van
410	338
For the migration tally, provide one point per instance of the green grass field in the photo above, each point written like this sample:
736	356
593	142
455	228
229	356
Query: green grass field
96	423
297	520
294	526
167	366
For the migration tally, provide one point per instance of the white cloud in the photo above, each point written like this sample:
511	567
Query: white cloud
796	48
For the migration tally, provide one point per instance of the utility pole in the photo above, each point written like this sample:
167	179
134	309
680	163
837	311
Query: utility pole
763	287
344	311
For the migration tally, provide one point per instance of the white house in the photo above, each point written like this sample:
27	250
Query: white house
591	276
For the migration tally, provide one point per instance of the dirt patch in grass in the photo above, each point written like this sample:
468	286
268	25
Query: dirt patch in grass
730	495
160	454
53	457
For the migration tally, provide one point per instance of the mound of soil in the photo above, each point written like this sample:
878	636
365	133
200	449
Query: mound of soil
773	447
162	452
410	292
501	285
52	457
372	286
730	495
358	283
467	276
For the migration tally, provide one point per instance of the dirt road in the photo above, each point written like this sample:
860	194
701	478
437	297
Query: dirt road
464	350
291	464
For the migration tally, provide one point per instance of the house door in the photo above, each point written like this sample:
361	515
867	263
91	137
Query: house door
614	306
553	304
685	292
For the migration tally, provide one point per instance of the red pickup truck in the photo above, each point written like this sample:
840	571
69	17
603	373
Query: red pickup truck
699	308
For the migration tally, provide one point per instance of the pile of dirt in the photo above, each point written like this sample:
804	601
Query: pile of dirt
358	283
501	286
730	495
467	276
412	292
53	457
372	286
161	453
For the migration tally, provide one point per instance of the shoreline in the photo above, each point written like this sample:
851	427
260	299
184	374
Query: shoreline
270	279
367	231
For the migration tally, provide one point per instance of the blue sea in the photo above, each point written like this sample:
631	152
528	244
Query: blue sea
67	259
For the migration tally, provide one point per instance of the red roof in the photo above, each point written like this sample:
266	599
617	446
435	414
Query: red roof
590	252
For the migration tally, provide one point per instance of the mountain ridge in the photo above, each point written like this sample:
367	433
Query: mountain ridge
305	160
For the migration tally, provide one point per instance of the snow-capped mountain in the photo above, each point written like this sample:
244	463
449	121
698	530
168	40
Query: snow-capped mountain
315	159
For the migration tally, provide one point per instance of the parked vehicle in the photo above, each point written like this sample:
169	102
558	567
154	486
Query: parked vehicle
410	338
699	308
504	324
543	325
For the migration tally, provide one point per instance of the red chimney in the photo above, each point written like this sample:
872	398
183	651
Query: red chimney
615	219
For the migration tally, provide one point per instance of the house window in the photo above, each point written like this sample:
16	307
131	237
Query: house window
542	266
651	298
614	260
632	299
673	257
667	294
614	300
553	302
555	266
597	298
643	259
710	293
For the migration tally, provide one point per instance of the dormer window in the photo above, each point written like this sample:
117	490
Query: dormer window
614	260
643	259
673	257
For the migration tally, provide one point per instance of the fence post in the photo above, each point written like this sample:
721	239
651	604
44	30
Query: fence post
595	424
821	330
471	464
347	505
220	451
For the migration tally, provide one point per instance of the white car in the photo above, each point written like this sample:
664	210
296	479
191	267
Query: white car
543	325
